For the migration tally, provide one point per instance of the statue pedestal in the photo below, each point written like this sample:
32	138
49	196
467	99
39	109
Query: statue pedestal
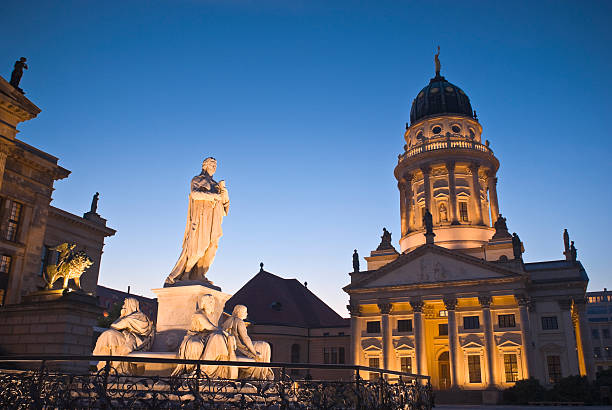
176	305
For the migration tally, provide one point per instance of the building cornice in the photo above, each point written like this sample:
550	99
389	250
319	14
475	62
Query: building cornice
82	222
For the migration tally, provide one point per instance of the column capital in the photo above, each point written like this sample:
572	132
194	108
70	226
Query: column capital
385	308
474	166
565	304
580	302
426	169
450	165
417	305
485	301
522	300
450	303
354	310
491	175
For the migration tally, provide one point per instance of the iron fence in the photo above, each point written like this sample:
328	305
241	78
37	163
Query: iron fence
41	387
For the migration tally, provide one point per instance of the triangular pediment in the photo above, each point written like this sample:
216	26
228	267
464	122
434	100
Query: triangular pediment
433	264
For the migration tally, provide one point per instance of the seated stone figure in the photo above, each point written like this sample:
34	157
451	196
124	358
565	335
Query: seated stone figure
133	331
204	341
241	348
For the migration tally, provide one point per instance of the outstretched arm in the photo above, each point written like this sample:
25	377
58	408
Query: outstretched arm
244	336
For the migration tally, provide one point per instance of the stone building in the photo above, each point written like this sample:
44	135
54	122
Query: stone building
457	302
299	326
29	225
599	314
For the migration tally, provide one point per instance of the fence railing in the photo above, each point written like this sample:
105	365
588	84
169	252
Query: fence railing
445	143
42	387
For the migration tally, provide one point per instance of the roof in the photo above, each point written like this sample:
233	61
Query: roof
366	277
108	296
556	271
273	300
440	97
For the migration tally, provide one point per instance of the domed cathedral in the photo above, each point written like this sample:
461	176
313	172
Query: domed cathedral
446	169
457	302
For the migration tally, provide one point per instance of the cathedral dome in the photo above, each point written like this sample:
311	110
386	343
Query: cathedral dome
440	97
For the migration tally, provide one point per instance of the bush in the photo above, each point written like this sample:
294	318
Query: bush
524	391
572	388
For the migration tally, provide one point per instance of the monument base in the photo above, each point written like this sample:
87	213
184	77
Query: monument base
176	306
48	323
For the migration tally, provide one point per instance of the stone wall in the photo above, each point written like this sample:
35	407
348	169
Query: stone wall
58	327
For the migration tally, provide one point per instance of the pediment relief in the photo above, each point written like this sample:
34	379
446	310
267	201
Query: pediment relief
403	343
433	267
551	348
371	344
471	341
508	340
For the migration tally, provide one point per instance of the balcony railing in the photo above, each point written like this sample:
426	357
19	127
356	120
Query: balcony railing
105	389
448	142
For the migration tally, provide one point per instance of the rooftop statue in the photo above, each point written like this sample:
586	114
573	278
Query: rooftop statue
133	331
517	249
437	60
208	204
94	203
573	252
355	261
70	265
385	241
501	228
20	65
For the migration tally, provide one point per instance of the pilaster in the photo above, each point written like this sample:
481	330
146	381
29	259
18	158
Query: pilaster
452	192
387	337
485	303
450	304
477	204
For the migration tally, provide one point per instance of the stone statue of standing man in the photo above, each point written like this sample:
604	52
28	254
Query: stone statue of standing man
20	65
208	204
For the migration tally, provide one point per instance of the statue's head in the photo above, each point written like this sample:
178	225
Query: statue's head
209	166
23	59
207	303
130	305
240	311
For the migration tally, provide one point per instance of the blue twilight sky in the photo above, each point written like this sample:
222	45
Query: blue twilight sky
304	103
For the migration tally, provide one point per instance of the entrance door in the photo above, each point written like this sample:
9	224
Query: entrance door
444	380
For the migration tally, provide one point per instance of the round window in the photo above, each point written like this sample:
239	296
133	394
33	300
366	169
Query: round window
449	89
437	129
456	129
434	90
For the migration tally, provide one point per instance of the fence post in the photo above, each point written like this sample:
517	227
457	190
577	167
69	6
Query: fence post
357	389
198	375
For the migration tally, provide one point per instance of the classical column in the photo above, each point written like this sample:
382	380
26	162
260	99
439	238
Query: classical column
585	337
492	183
452	192
355	311
3	155
522	302
408	200
387	337
476	193
485	303
570	340
450	304
419	337
427	186
401	185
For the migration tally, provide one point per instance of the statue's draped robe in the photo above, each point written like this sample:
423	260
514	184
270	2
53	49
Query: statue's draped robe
203	229
131	332
204	341
243	349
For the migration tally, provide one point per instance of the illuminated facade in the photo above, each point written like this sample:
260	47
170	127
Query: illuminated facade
461	305
29	225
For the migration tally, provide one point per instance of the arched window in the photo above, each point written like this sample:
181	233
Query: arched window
295	353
